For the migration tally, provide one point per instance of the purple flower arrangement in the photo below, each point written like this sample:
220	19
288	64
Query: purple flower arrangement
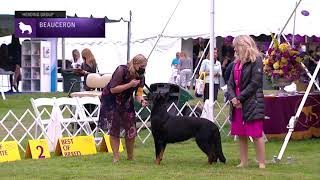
283	62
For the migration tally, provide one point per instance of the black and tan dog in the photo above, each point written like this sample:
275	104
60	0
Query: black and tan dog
167	128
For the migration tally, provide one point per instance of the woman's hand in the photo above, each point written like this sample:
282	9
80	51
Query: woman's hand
225	62
236	103
85	72
134	82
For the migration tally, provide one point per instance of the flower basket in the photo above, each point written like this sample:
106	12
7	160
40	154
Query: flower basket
280	83
282	64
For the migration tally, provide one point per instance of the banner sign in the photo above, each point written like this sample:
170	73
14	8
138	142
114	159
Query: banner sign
9	151
37	149
76	146
60	27
40	14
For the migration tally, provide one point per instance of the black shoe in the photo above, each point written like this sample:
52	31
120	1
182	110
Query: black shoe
16	88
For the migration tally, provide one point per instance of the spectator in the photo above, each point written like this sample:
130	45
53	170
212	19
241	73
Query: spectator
217	72
77	61
14	52
175	67
88	66
3	56
227	77
185	70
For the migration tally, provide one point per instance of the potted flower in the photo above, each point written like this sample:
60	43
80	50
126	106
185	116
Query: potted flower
282	64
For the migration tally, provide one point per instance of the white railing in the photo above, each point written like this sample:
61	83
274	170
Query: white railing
25	127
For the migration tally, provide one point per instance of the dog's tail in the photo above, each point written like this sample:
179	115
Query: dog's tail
218	148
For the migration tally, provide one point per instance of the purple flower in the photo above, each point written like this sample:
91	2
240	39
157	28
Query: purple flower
285	69
292	58
286	54
278	57
275	75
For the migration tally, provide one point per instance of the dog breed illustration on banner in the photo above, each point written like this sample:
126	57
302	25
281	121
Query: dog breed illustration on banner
25	27
167	128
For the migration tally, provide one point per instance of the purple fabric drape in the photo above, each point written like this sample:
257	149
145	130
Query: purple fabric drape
280	109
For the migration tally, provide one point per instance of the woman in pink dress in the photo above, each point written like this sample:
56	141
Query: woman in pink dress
246	96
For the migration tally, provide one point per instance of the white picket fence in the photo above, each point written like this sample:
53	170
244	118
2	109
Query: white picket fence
27	126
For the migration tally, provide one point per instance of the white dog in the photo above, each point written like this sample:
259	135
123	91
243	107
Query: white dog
24	27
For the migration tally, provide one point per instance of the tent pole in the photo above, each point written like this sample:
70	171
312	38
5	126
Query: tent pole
294	119
212	47
160	35
287	22
129	37
200	60
294	24
295	9
63	53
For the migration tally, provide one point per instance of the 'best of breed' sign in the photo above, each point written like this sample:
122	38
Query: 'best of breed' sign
76	146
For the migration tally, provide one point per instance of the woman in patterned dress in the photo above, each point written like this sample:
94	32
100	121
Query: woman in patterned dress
117	108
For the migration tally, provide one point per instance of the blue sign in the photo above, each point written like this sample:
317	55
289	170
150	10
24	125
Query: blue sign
60	27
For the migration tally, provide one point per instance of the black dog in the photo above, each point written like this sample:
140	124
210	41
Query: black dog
167	128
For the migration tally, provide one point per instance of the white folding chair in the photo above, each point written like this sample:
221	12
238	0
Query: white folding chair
69	115
43	115
89	114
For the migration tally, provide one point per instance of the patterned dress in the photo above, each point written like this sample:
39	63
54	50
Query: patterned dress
117	110
240	127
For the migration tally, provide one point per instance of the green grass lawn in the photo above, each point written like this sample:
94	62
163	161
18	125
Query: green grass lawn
181	160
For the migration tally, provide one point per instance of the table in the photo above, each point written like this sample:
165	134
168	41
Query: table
280	110
86	94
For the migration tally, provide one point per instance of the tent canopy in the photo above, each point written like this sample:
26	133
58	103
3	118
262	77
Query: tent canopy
191	20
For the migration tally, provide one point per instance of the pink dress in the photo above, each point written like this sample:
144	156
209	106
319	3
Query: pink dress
238	126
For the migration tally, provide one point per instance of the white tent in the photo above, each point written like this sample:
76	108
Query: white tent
191	20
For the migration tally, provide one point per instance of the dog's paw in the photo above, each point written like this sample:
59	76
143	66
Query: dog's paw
157	161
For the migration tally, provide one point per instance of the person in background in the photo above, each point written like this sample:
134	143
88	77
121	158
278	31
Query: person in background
117	108
245	88
175	66
88	66
185	70
77	61
4	63
315	60
3	56
227	77
217	72
14	52
227	59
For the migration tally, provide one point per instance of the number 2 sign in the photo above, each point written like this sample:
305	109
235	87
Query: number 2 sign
37	149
